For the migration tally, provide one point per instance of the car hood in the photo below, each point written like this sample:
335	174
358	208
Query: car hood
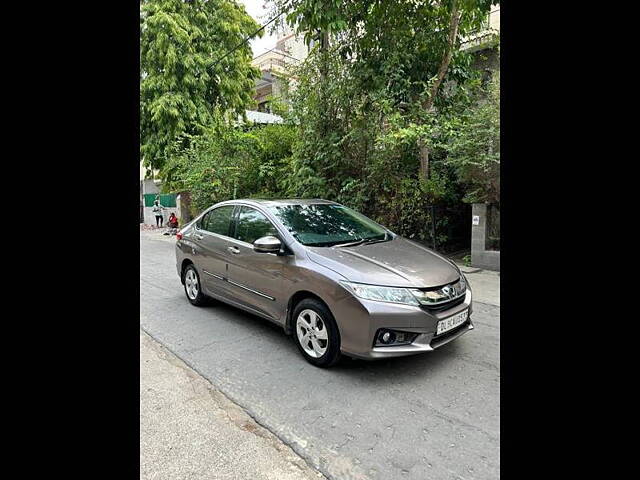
398	262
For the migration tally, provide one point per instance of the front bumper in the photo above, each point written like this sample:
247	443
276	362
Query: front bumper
359	321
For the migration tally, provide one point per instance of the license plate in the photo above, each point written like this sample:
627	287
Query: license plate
452	322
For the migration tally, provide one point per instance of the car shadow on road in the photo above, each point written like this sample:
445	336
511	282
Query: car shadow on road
399	370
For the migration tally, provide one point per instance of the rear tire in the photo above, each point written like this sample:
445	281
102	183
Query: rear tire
316	333
193	287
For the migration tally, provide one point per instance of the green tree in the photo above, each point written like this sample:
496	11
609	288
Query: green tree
227	161
375	106
474	146
184	80
405	49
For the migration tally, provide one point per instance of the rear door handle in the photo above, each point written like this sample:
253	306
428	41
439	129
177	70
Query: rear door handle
199	237
233	249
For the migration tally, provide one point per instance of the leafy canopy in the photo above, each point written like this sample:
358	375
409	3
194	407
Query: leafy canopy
473	146
360	106
183	86
393	45
227	161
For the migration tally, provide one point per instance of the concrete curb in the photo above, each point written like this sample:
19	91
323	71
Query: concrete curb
204	424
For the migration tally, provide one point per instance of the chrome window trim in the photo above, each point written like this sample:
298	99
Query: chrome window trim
285	235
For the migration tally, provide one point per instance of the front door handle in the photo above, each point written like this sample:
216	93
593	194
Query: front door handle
233	249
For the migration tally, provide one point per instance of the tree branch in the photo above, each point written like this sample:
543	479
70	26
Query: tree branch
442	71
446	60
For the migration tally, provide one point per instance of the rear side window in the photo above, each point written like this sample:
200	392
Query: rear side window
218	220
252	225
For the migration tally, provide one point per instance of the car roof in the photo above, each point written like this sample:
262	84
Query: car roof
287	201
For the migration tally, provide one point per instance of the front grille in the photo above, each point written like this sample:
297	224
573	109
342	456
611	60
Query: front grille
443	306
450	295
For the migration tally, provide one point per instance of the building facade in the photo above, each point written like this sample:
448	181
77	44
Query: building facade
484	44
276	67
485	224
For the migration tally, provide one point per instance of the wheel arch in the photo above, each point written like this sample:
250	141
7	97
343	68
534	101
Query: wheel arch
185	263
293	301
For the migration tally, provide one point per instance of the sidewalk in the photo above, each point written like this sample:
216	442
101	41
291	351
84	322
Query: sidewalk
485	284
189	430
158	234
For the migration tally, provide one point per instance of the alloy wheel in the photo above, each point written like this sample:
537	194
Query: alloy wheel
191	284
312	333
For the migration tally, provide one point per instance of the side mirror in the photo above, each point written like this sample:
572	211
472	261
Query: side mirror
268	244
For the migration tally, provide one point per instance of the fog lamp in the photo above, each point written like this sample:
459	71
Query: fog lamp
386	337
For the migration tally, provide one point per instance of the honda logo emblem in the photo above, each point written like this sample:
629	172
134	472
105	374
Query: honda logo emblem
449	291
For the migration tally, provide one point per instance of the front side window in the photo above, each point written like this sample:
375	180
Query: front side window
252	225
326	224
218	220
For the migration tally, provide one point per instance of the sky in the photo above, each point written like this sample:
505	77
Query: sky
256	9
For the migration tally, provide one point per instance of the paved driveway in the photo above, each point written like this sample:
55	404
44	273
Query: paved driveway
433	416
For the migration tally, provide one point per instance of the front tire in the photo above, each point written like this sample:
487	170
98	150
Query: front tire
316	333
192	287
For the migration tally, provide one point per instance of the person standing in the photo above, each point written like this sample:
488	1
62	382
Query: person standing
157	211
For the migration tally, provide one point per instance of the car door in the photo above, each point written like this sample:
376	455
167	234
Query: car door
212	235
256	278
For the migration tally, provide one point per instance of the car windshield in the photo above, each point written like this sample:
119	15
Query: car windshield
324	225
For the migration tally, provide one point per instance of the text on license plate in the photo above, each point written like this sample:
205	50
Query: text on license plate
452	322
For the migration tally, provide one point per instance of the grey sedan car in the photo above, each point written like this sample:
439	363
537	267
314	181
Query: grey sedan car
335	280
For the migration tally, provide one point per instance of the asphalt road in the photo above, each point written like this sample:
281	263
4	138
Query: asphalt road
431	416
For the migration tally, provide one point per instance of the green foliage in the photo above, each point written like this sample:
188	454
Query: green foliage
228	162
360	108
396	47
183	87
358	145
356	118
474	146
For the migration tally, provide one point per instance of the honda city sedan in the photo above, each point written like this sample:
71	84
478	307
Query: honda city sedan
335	280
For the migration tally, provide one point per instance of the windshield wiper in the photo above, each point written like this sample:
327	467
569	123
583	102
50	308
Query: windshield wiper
365	241
378	240
369	241
350	244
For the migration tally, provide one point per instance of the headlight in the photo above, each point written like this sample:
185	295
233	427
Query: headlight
408	296
381	294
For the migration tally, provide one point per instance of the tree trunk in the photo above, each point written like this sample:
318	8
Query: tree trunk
442	71
446	60
424	159
324	48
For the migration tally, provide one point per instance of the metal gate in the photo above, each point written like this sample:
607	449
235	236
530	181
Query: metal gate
166	199
450	227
